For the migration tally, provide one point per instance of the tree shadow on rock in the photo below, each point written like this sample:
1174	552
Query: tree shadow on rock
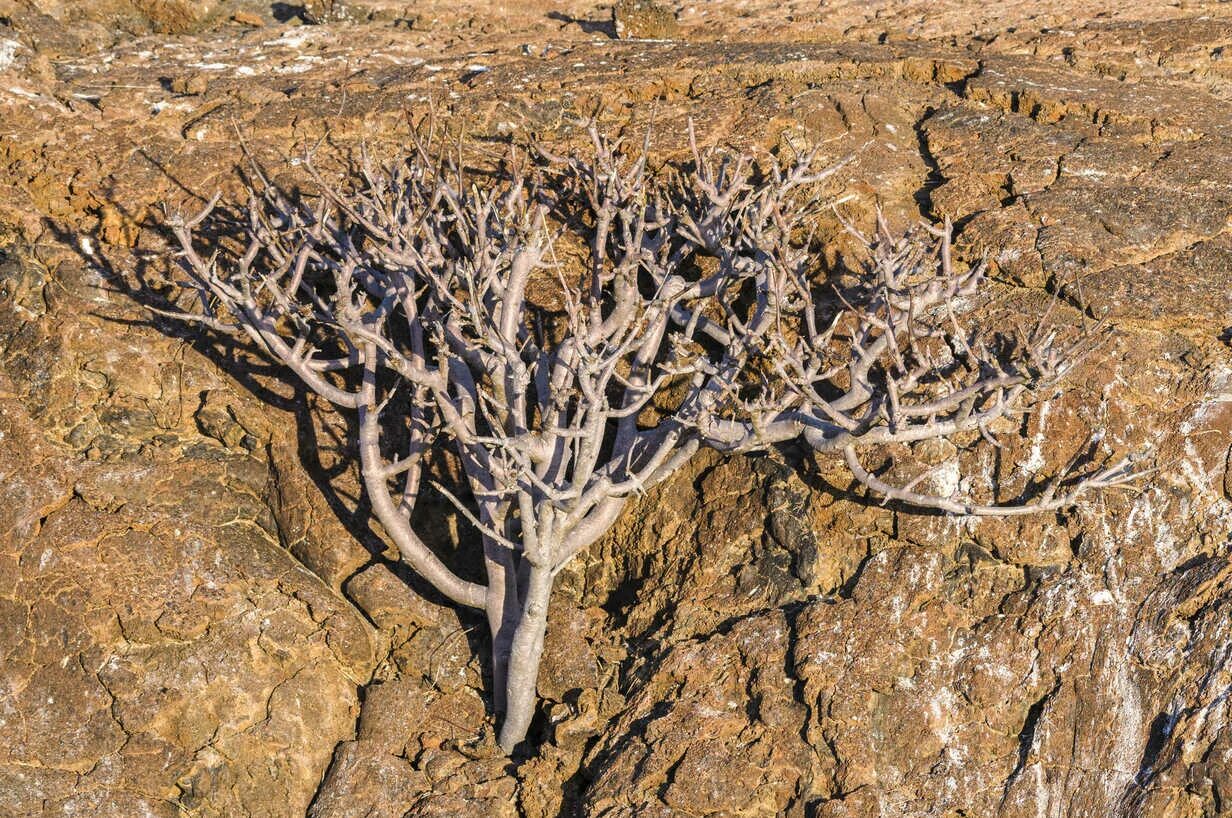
147	283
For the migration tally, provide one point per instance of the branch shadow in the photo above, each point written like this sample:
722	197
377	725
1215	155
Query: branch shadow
604	27
146	283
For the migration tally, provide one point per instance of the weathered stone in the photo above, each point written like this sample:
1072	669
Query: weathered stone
366	783
644	20
755	637
154	636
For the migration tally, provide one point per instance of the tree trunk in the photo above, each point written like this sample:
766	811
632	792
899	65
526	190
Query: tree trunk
504	612
524	655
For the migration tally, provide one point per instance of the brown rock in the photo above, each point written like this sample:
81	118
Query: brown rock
248	18
879	662
161	636
175	16
192	85
644	20
363	781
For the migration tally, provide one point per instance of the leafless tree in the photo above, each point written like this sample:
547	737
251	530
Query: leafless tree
694	319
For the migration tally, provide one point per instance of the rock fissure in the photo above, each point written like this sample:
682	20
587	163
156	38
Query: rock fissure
257	654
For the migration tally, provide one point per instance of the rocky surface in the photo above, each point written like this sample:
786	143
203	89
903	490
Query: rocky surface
197	616
163	651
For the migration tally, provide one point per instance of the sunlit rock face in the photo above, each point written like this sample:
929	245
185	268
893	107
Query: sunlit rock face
197	615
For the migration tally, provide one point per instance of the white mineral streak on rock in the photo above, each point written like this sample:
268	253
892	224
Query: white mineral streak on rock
8	53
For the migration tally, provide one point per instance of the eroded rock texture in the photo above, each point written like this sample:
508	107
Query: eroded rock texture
162	651
198	617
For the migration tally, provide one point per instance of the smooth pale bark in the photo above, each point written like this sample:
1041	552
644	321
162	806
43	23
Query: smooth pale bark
502	611
524	656
375	477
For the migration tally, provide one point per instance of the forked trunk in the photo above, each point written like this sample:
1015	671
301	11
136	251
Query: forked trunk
524	654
